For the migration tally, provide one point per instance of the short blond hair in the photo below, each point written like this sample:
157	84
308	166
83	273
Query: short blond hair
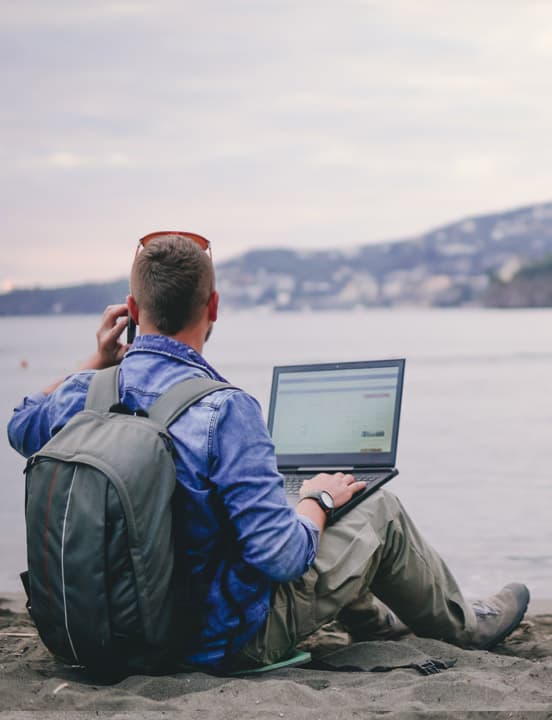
172	279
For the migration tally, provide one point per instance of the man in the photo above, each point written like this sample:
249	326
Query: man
263	575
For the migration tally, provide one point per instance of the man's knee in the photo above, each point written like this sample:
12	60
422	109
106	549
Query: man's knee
361	532
390	499
380	507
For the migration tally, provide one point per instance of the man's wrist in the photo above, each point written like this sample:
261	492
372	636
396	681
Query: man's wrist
323	499
311	510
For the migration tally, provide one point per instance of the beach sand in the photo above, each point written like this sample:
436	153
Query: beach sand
513	681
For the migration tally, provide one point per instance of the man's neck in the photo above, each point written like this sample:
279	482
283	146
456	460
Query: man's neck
194	340
194	337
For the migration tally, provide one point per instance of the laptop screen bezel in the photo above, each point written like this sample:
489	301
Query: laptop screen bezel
375	460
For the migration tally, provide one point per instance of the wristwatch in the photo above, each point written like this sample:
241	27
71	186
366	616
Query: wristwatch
324	500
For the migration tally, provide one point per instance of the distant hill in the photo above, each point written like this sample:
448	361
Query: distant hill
76	299
501	259
456	264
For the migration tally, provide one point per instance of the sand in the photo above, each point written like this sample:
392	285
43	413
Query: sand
514	681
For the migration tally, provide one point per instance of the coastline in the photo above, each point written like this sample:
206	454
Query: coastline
516	677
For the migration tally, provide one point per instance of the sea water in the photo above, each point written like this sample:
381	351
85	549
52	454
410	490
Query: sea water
474	442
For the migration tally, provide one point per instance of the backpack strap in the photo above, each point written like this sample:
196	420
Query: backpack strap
178	398
103	391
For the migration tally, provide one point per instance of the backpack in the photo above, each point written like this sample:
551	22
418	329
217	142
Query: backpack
98	512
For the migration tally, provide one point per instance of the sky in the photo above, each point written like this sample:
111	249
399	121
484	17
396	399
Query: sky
261	123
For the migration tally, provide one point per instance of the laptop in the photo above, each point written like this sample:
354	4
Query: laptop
335	417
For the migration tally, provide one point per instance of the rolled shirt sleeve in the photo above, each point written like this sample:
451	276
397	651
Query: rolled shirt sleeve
272	536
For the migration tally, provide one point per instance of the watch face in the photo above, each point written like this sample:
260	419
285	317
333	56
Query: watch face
327	499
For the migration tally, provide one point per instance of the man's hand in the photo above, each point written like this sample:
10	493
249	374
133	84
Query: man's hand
110	350
341	487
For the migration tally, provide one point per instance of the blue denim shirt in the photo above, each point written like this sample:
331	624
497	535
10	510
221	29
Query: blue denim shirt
235	534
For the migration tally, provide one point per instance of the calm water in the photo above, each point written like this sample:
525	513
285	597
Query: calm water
474	445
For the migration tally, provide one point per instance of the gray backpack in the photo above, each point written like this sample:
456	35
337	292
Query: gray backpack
99	532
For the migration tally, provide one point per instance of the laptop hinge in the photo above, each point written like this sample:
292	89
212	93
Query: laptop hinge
336	468
324	468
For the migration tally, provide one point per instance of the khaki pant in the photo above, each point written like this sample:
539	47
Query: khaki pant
376	549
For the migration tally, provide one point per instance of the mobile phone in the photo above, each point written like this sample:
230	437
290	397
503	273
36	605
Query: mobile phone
131	330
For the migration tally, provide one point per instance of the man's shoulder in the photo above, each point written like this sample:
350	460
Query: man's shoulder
226	397
236	395
73	390
227	405
239	413
80	379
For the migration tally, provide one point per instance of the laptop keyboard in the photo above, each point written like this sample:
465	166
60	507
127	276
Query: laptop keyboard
293	482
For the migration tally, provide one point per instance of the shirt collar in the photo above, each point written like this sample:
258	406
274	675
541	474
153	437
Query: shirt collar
163	345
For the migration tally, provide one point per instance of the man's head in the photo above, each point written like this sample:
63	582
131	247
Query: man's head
172	282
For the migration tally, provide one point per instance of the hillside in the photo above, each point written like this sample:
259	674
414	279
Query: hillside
456	264
530	287
76	299
500	259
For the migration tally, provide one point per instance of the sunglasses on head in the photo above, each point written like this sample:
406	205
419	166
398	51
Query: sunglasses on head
203	243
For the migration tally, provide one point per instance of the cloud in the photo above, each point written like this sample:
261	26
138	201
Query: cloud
263	123
71	161
62	13
472	166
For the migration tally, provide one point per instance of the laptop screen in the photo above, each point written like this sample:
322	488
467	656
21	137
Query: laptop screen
343	413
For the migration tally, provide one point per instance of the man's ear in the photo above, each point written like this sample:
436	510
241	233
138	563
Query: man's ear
212	306
133	308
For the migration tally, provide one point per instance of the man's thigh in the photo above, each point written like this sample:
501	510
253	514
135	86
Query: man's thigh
347	559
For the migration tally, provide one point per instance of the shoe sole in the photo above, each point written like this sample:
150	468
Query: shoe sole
513	625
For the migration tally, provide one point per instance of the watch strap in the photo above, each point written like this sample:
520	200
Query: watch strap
317	497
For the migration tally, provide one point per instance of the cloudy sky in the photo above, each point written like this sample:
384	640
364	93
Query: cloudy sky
262	123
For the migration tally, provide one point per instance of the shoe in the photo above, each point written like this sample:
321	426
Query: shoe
499	616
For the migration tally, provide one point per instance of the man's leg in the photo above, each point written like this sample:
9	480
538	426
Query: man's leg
368	618
374	548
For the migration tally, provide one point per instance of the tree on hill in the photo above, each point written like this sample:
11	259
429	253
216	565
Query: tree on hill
531	286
